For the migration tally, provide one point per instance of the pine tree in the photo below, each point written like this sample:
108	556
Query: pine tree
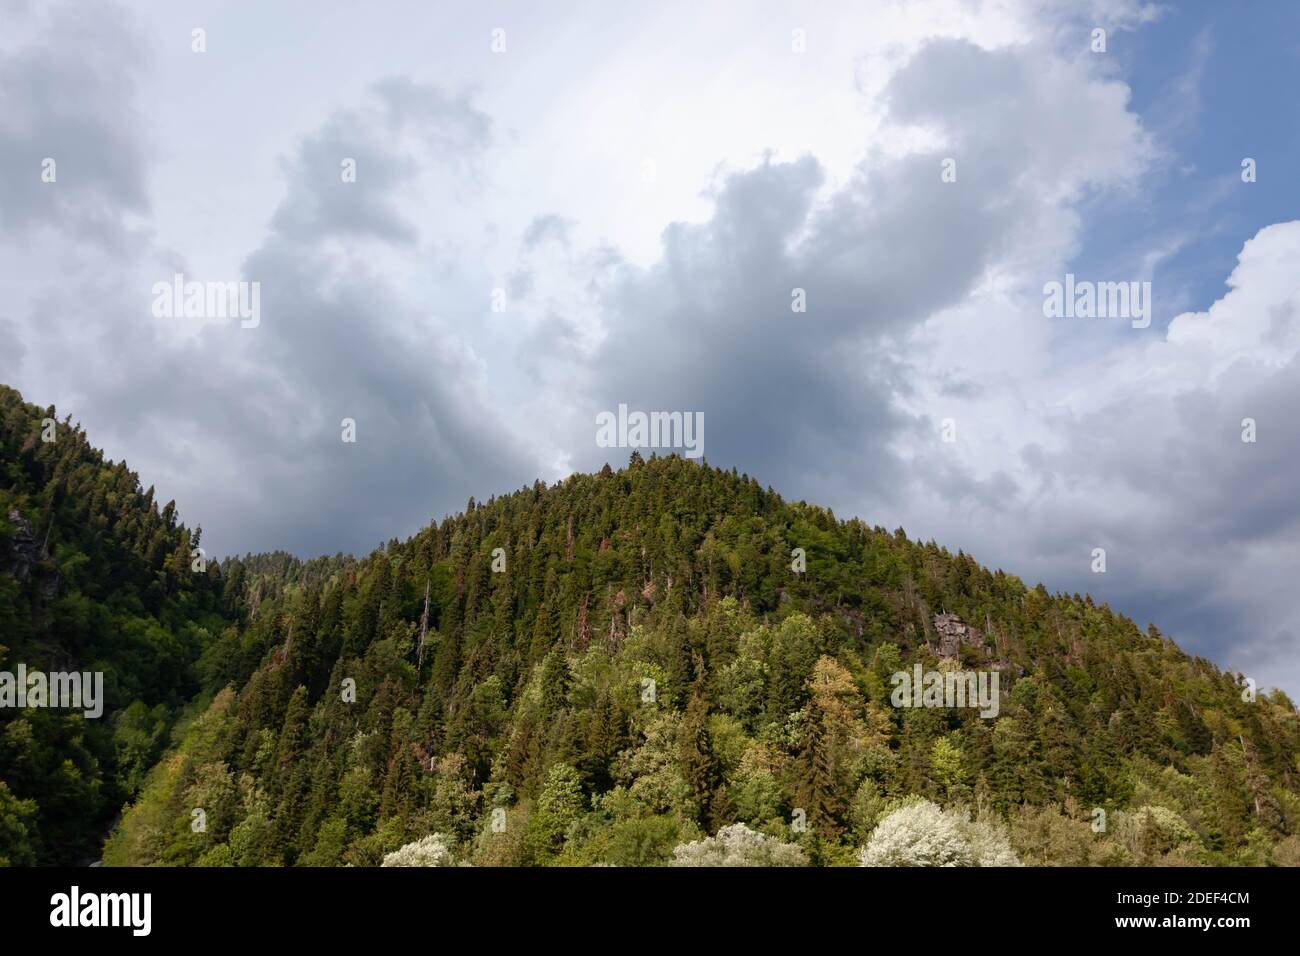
555	683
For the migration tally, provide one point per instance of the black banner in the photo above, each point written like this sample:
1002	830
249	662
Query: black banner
139	906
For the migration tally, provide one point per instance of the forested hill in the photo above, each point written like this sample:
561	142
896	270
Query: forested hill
603	670
94	576
612	669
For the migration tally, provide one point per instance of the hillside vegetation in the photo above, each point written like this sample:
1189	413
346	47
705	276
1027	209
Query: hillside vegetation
94	576
633	668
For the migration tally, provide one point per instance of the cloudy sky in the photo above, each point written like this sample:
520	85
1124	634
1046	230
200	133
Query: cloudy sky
562	207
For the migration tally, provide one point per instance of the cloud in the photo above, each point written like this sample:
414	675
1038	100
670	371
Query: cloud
340	340
546	228
244	425
450	131
1204	524
809	401
1139	450
65	96
923	303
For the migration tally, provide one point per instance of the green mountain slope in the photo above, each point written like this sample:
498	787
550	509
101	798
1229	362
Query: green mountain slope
604	669
93	577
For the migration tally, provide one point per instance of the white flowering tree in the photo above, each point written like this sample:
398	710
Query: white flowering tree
924	834
430	851
737	845
1152	829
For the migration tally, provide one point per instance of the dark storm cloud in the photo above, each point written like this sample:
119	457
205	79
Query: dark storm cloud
246	423
448	128
710	328
67	96
806	400
336	342
1201	528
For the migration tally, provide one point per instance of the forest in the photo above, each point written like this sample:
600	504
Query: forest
667	664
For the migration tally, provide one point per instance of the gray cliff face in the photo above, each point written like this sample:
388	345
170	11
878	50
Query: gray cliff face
953	633
25	556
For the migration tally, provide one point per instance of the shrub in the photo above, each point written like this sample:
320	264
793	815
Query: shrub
430	851
924	834
738	845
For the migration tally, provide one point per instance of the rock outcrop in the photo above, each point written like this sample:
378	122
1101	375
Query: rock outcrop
25	555
953	633
23	549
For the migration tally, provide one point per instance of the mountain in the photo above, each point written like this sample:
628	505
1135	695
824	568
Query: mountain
664	663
